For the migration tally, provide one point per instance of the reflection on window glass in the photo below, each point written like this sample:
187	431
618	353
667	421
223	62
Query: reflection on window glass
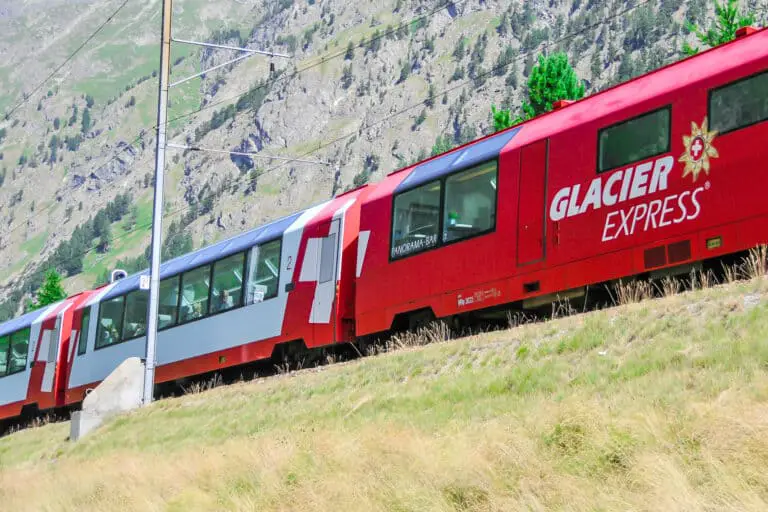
168	303
194	294
4	346
739	104
634	140
85	325
227	282
135	324
17	357
470	202
264	272
416	220
110	322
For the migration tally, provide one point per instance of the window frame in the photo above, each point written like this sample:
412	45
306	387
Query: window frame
26	366
98	324
249	255
441	221
178	303
711	91
7	355
80	343
495	204
10	348
206	313
667	107
239	303
125	313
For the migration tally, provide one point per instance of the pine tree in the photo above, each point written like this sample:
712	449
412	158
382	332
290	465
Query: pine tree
722	29
552	79
86	121
51	291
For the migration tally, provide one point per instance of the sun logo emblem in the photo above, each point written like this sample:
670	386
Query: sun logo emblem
698	150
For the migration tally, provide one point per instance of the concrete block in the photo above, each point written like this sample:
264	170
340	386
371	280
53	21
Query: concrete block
120	392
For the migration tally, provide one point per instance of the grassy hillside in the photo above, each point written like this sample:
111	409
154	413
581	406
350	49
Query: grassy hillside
660	405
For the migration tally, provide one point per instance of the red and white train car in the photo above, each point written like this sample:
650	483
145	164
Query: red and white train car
34	358
668	169
288	284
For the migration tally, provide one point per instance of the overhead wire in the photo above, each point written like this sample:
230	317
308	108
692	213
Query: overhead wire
243	92
402	111
27	96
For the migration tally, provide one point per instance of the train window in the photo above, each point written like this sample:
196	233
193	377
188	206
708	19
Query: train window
228	283
110	325
194	293
470	202
739	104
264	272
633	140
85	326
4	349
416	220
168	307
18	350
135	322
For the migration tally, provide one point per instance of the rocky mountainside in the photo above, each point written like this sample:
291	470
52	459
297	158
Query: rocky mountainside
368	87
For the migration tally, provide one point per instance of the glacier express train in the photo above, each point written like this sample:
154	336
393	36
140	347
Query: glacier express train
651	176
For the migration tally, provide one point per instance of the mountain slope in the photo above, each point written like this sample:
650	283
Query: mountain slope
416	71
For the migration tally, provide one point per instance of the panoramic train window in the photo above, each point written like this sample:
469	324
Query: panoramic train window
110	325
416	221
194	293
470	202
264	271
4	348
739	104
85	325
168	306
637	139
19	347
135	323
227	283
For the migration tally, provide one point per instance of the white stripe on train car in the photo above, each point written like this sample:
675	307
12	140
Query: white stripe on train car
325	293
362	247
15	388
244	325
53	352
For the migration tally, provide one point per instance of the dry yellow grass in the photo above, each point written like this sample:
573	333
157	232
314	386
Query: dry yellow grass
660	405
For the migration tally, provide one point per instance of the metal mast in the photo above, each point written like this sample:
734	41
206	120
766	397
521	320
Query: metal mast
157	212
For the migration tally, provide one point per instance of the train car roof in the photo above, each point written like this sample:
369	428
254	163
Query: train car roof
463	158
648	88
206	255
24	321
633	92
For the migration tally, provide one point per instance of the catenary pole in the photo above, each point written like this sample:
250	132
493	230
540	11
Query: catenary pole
157	212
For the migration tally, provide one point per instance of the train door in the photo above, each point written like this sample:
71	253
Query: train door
323	316
531	227
50	350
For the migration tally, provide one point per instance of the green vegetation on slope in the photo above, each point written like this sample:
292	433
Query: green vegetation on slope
660	405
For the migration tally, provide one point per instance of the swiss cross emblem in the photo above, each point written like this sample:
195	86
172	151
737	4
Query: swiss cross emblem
698	150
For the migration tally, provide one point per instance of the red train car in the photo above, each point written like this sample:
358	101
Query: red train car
281	288
666	170
34	358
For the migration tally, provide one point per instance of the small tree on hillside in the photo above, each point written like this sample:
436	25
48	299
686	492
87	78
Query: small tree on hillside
50	292
722	29
552	79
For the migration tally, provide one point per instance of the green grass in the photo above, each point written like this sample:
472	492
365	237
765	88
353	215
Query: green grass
126	243
652	406
35	244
